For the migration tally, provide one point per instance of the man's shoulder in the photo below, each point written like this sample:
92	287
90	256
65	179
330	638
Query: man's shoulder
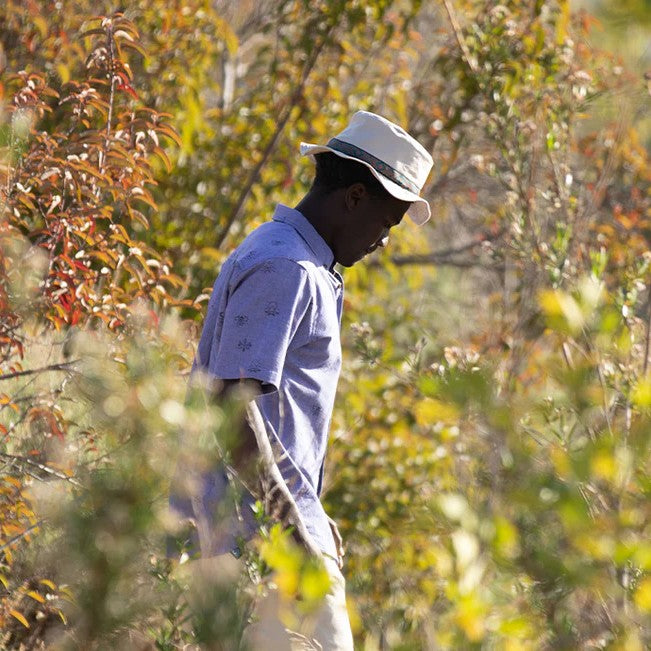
274	241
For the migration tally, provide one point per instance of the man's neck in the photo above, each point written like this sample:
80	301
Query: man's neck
317	208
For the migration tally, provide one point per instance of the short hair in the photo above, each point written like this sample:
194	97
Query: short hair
334	172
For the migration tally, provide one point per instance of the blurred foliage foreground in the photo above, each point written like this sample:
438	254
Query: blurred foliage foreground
491	439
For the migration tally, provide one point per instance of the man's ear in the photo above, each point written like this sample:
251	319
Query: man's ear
354	194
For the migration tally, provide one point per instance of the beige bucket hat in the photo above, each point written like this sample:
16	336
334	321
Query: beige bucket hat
396	160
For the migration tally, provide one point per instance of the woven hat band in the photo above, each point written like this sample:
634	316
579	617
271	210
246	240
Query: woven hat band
378	165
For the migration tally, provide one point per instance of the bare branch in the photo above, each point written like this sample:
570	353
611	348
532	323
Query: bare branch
253	176
64	366
470	62
648	335
20	536
111	54
432	259
46	469
445	256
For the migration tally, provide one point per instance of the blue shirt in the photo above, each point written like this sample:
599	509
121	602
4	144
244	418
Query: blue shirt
275	316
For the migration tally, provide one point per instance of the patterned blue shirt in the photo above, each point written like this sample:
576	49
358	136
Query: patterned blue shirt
275	316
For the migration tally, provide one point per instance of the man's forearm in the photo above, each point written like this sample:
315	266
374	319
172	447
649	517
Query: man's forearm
253	462
278	500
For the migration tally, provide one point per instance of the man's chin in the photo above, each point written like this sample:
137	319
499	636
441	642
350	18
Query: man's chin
353	258
351	262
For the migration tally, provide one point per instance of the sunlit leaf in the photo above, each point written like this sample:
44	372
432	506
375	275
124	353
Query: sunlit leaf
16	615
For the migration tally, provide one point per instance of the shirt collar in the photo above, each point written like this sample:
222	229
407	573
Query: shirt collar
296	219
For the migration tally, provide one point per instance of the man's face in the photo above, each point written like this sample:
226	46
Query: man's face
367	226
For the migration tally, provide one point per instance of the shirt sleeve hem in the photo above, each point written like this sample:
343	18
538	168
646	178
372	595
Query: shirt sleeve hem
262	375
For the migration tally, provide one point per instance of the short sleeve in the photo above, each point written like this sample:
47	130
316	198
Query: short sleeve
264	309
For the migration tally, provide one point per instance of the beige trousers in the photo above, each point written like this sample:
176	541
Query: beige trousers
327	629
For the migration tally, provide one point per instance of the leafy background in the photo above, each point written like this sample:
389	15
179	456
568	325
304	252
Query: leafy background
489	461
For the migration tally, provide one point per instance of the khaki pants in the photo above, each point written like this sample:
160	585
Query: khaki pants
327	629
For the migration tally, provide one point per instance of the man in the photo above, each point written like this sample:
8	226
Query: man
273	326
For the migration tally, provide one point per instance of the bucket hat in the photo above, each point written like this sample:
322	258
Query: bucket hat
398	161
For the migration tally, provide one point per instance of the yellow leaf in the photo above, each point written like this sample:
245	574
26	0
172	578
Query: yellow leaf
228	35
561	310
13	480
168	131
506	537
36	596
66	593
642	597
3	580
563	22
602	465
212	253
430	411
471	618
160	152
642	393
19	617
315	582
64	73
41	23
48	584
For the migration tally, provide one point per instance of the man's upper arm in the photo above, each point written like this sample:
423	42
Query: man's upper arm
261	317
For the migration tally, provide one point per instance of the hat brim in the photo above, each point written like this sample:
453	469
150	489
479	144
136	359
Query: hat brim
419	211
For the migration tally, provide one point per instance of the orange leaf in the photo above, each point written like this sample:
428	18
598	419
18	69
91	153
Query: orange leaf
164	157
36	596
168	131
147	199
19	617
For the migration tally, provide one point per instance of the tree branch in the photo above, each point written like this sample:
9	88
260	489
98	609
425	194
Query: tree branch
40	466
470	62
432	259
442	257
282	122
648	335
20	536
65	366
112	78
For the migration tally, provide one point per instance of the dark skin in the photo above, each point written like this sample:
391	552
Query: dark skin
353	223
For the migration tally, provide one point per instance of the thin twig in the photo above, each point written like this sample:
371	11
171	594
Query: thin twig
471	63
64	366
113	79
42	467
648	334
442	257
602	381
20	536
599	191
432	259
253	176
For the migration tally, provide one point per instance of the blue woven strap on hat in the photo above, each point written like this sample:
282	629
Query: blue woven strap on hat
378	165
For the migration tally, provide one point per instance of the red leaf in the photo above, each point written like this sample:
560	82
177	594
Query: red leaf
128	89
